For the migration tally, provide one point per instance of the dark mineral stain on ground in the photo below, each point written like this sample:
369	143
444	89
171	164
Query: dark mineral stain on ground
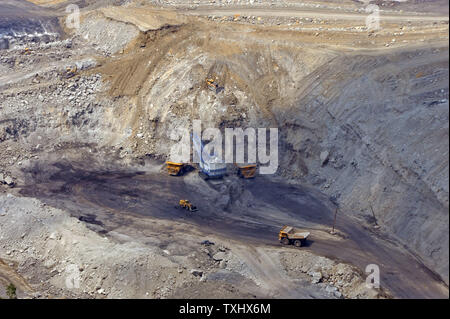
91	194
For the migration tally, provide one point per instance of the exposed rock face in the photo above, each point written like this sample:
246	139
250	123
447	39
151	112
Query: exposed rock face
21	20
386	128
324	157
389	149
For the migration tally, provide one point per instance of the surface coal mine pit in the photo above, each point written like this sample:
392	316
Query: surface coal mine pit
93	120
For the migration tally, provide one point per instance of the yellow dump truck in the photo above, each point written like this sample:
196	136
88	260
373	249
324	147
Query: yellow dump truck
291	236
247	171
175	169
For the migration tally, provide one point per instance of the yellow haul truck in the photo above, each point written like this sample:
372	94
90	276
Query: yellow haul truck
175	169
247	171
291	236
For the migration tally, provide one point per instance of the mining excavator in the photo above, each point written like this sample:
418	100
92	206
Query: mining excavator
210	166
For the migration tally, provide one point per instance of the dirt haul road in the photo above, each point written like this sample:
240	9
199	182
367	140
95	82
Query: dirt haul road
311	13
247	211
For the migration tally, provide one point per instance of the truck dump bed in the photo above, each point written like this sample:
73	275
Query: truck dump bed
294	233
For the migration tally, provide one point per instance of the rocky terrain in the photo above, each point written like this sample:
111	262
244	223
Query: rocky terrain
52	249
362	118
34	24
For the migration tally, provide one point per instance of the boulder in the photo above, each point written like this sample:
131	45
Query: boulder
219	256
9	181
4	179
85	64
316	277
197	272
331	289
207	243
324	157
4	44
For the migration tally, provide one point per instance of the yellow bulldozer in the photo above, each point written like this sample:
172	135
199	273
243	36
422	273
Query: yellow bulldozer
184	203
212	84
175	169
71	72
